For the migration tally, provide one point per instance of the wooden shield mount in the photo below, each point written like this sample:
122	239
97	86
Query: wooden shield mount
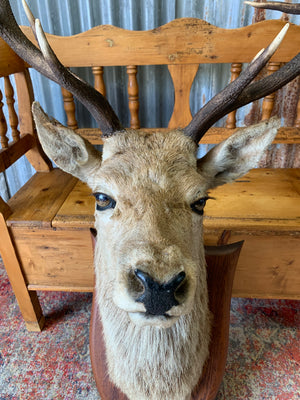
221	264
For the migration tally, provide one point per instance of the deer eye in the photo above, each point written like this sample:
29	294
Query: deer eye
198	205
103	201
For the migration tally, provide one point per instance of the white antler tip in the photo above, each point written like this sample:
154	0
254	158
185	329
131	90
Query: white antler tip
278	39
286	26
255	4
28	12
283	31
41	37
38	23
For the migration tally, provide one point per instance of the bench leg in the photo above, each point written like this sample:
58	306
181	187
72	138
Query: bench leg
28	300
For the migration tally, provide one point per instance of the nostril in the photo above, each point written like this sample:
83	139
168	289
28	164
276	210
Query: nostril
135	286
182	290
159	298
175	282
179	286
144	278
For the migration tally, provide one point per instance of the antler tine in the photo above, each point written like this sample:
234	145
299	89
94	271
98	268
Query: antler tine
47	63
219	105
48	53
269	84
289	8
30	16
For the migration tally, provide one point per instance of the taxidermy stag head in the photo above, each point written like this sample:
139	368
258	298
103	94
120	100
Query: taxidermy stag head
150	193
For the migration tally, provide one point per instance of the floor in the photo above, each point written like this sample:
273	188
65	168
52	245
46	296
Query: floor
263	359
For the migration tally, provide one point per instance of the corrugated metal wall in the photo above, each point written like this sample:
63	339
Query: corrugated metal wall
68	17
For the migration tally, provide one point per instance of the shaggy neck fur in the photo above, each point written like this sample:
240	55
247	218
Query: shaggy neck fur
150	363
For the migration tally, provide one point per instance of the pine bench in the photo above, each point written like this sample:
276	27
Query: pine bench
45	227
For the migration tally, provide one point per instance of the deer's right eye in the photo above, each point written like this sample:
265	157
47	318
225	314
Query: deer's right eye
198	205
103	201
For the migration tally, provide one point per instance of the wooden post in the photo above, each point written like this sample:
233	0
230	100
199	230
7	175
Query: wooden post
268	102
133	96
27	300
10	101
69	107
3	125
98	80
235	70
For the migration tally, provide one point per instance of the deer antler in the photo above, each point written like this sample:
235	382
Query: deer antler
268	85
239	93
236	94
290	8
46	62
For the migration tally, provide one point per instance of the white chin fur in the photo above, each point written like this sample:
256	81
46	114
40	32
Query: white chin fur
141	319
125	303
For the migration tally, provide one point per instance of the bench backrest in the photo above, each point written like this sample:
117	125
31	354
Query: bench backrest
17	135
182	45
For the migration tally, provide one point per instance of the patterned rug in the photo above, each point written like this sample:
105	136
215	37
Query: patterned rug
263	360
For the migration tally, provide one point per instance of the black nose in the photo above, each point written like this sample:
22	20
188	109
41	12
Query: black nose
158	298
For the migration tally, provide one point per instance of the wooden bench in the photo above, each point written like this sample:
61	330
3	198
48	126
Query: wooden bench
45	227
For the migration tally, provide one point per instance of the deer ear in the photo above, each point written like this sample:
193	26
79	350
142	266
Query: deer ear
236	155
67	149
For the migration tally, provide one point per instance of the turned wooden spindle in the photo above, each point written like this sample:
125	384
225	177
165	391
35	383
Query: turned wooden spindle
69	107
98	80
235	70
10	101
268	102
133	96
3	125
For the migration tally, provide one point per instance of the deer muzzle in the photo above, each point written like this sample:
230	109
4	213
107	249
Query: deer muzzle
156	285
158	298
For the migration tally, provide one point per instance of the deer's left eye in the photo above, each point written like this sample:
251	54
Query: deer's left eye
198	205
103	201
